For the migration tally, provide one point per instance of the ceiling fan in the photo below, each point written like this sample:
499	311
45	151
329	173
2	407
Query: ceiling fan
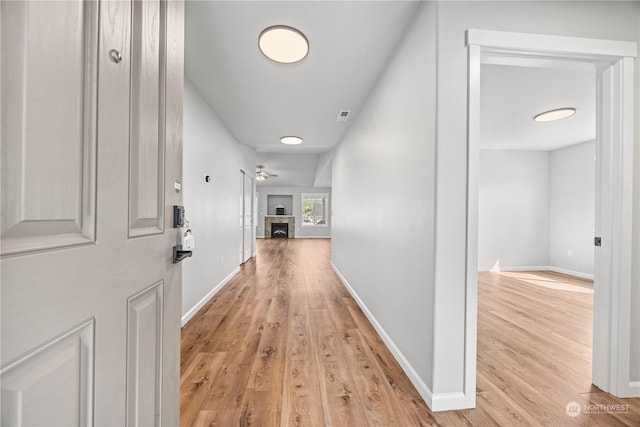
261	174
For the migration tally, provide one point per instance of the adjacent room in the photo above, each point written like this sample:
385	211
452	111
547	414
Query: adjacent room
536	228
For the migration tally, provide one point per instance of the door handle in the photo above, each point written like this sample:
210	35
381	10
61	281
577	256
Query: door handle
179	254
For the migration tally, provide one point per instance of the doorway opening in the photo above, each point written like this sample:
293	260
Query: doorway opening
612	62
536	219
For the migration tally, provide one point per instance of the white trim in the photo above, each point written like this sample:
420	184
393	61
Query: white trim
579	274
536	44
312	237
587	276
449	401
189	314
415	379
614	63
516	268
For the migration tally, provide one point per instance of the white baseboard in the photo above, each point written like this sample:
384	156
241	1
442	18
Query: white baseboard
189	314
451	402
633	389
516	268
541	268
313	237
422	388
571	273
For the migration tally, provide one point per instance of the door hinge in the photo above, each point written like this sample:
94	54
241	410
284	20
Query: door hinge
597	241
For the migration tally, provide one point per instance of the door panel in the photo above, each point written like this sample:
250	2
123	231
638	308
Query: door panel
45	116
144	357
146	172
60	375
133	347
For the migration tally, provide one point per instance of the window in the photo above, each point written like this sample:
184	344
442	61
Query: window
314	209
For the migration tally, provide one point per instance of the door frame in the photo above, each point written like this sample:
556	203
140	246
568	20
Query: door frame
613	62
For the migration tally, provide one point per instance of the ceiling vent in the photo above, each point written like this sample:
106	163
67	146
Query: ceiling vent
343	116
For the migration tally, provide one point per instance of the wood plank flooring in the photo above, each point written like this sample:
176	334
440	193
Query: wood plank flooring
284	344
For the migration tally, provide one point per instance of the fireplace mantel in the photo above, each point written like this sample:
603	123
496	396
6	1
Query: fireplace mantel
270	219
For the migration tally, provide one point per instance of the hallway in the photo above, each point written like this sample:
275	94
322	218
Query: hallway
284	344
285	337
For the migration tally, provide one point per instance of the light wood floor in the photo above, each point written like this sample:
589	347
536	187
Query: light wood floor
284	344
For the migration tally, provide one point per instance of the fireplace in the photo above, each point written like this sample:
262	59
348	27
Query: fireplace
279	230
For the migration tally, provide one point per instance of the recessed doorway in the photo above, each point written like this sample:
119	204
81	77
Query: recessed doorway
613	64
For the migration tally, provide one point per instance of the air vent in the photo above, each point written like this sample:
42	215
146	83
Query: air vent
343	116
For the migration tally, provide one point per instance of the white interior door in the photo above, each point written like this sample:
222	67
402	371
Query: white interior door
247	217
91	146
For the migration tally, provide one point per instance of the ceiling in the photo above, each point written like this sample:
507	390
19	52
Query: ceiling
260	100
510	96
351	42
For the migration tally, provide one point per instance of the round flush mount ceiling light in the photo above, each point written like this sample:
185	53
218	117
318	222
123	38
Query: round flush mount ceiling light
283	44
557	114
291	140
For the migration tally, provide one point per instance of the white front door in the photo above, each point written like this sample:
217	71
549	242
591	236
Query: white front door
91	146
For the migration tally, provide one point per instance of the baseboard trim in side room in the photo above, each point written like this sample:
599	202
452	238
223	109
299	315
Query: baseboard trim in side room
540	268
312	237
571	273
189	314
515	268
420	386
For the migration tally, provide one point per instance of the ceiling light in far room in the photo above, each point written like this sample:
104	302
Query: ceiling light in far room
283	44
291	140
557	114
260	178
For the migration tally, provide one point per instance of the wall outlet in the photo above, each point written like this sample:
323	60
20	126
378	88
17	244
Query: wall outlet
569	252
221	259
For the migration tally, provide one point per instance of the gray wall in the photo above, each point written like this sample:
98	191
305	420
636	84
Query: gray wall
296	194
413	127
605	20
383	191
572	200
273	200
535	206
513	209
212	209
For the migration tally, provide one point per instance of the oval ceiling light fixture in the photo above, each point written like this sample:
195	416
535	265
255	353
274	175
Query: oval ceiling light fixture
557	114
291	140
283	44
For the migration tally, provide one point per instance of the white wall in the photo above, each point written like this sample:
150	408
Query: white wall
296	193
213	209
572	190
383	190
513	209
606	20
535	207
415	274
